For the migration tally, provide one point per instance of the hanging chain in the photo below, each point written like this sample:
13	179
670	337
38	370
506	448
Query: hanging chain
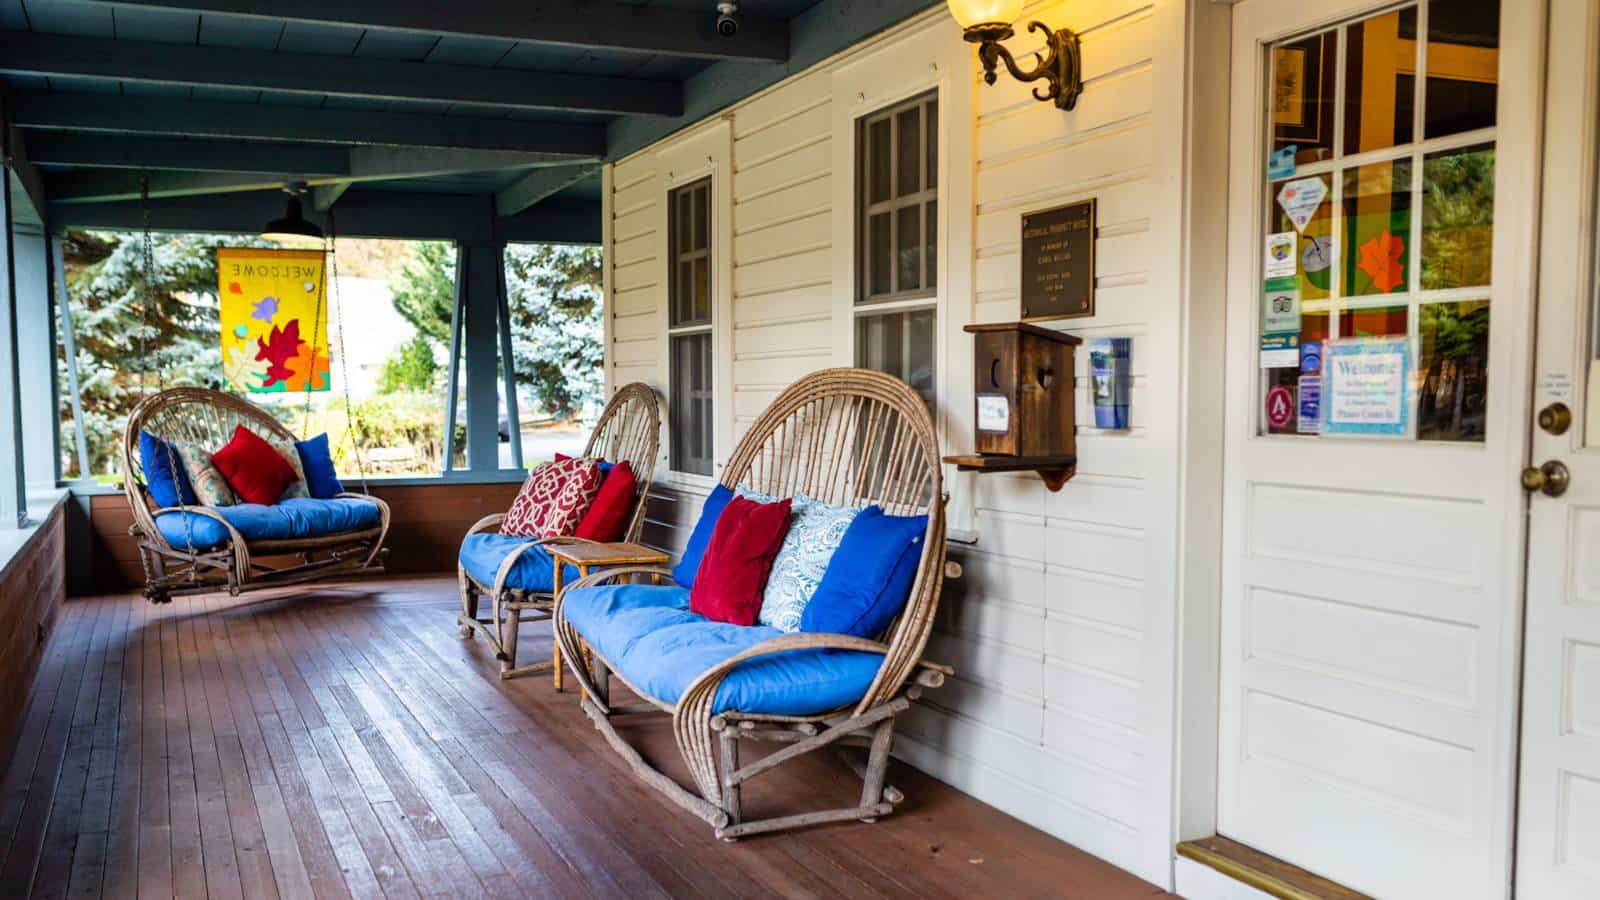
344	366
146	286
147	302
329	251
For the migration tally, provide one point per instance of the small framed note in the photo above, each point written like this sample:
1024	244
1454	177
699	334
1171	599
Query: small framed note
994	413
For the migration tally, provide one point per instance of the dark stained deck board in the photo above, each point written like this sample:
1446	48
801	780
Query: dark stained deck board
344	741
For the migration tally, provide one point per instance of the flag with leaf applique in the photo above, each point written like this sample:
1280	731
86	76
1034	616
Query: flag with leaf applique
274	320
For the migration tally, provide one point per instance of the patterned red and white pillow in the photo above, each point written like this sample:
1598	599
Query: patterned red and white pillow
553	499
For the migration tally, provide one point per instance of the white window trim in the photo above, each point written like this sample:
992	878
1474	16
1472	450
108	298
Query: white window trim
934	58
704	151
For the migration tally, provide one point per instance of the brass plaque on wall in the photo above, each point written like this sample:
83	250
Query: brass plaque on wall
1058	262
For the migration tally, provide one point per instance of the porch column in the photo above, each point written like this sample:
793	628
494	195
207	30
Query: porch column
478	271
30	254
13	492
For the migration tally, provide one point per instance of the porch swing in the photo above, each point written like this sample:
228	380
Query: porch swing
190	547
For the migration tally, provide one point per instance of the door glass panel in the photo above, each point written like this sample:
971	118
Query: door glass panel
1380	84
1463	66
1457	218
1453	365
1303	96
1377	217
1378	241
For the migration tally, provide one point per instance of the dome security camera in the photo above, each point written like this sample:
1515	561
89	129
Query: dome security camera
727	19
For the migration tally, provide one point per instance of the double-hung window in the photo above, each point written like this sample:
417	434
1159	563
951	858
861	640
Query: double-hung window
897	237
689	325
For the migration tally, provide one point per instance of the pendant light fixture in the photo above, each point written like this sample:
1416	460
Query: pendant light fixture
293	228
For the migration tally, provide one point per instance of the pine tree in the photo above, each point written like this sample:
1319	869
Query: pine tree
132	339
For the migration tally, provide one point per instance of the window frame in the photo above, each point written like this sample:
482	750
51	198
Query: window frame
925	297
682	401
926	199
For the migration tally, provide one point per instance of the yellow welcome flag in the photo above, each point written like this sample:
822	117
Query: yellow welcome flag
274	320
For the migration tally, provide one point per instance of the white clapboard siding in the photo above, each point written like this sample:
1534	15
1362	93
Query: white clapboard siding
1046	716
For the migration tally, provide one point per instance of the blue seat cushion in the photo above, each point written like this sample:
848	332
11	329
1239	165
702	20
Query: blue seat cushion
482	554
284	521
657	645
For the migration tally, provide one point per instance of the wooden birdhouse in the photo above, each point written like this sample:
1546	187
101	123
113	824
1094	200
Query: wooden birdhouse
1023	394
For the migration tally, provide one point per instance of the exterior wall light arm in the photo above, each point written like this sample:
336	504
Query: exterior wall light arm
1060	65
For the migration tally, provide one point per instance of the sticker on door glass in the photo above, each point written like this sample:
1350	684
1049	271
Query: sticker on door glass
1281	261
1280	162
1310	390
1279	407
1300	199
1280	324
1366	387
994	413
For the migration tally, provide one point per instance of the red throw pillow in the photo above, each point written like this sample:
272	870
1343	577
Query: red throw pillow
609	516
553	499
255	469
733	573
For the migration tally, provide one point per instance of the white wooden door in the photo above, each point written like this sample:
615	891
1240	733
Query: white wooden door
1373	538
1558	840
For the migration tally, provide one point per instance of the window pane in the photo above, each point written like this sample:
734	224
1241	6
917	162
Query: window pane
1452	399
691	403
879	254
1380	81
1377	228
702	218
1457	218
930	244
1463	64
1302	97
681	311
1379	321
909	251
903	345
930	131
878	161
908	155
702	290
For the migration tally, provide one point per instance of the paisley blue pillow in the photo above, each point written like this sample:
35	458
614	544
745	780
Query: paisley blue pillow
815	533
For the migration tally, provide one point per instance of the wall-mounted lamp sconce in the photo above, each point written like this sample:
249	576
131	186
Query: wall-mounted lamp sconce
988	22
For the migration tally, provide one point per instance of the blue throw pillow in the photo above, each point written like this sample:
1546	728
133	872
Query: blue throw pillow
869	577
163	472
317	460
689	564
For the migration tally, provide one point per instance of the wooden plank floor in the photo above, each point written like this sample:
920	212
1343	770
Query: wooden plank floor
343	741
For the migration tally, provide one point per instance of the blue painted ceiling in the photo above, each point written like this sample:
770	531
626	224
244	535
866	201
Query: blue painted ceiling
54	73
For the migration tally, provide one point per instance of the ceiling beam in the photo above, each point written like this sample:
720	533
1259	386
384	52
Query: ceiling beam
261	121
364	164
537	185
362	213
32	53
324	196
157	153
605	25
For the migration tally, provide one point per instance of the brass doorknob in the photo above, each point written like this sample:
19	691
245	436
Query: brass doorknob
1552	478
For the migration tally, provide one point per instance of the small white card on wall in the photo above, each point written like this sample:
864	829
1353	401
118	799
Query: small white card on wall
994	413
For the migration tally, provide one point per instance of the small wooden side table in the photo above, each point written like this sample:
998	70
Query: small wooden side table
588	556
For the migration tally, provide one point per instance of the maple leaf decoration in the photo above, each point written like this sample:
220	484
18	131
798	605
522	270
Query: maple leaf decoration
278	348
309	368
1380	259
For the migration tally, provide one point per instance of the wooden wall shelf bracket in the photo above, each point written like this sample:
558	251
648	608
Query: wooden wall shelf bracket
1054	470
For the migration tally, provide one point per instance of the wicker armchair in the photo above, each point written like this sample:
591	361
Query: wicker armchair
629	429
848	437
207	418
